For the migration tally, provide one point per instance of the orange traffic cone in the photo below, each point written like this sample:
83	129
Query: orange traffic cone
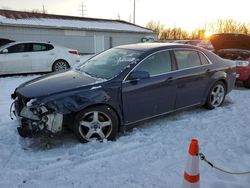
192	174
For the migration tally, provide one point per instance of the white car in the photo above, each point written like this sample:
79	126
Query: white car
28	57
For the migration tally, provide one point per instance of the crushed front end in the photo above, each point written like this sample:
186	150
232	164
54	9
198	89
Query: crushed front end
35	117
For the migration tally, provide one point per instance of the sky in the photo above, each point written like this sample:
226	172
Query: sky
188	14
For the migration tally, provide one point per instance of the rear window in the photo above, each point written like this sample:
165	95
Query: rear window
39	47
42	47
204	60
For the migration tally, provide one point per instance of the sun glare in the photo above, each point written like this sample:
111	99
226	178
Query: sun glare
208	34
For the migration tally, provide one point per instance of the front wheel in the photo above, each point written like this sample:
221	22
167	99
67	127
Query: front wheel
216	95
96	123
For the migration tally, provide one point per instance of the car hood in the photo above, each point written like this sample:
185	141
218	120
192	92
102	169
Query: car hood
230	41
56	83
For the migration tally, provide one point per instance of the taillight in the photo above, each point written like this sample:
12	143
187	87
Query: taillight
74	52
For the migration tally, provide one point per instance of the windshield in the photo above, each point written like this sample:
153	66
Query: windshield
110	63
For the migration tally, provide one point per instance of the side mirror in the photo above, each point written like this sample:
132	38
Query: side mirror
5	51
138	75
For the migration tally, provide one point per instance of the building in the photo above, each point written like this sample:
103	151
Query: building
88	35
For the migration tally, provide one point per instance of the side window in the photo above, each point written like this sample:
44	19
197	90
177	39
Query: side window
187	58
156	64
204	60
39	47
49	47
19	48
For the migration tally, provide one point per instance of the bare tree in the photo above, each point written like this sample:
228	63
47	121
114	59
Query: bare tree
217	26
174	33
155	26
228	26
6	8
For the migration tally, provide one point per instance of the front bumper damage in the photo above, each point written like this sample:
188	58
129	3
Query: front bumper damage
37	119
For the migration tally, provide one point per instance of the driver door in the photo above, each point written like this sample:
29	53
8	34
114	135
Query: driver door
16	59
152	96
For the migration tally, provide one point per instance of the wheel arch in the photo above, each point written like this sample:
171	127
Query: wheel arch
220	76
119	116
223	80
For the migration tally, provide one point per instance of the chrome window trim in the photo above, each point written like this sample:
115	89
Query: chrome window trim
171	49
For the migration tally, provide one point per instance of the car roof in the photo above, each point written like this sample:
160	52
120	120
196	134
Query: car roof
21	42
155	46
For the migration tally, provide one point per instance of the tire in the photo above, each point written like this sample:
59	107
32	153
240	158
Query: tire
246	83
60	65
96	123
216	95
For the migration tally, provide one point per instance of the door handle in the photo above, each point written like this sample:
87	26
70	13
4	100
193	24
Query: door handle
170	79
26	55
52	53
208	70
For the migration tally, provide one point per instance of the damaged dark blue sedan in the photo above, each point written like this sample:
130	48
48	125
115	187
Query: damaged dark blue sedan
120	87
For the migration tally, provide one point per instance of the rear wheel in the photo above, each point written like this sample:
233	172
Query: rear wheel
96	123
216	95
60	65
247	83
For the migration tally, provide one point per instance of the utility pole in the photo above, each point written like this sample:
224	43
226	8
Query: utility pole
82	9
118	17
134	12
44	10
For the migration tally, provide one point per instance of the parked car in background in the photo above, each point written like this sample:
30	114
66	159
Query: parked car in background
5	41
122	86
30	56
200	43
206	44
190	42
235	47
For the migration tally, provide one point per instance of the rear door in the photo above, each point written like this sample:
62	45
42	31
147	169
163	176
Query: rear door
192	77
17	59
150	96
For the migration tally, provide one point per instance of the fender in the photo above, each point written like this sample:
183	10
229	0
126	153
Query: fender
75	101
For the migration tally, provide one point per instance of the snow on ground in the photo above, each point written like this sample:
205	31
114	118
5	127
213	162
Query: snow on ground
152	155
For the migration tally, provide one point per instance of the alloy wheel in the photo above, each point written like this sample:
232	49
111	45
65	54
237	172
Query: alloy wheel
95	125
60	65
217	95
